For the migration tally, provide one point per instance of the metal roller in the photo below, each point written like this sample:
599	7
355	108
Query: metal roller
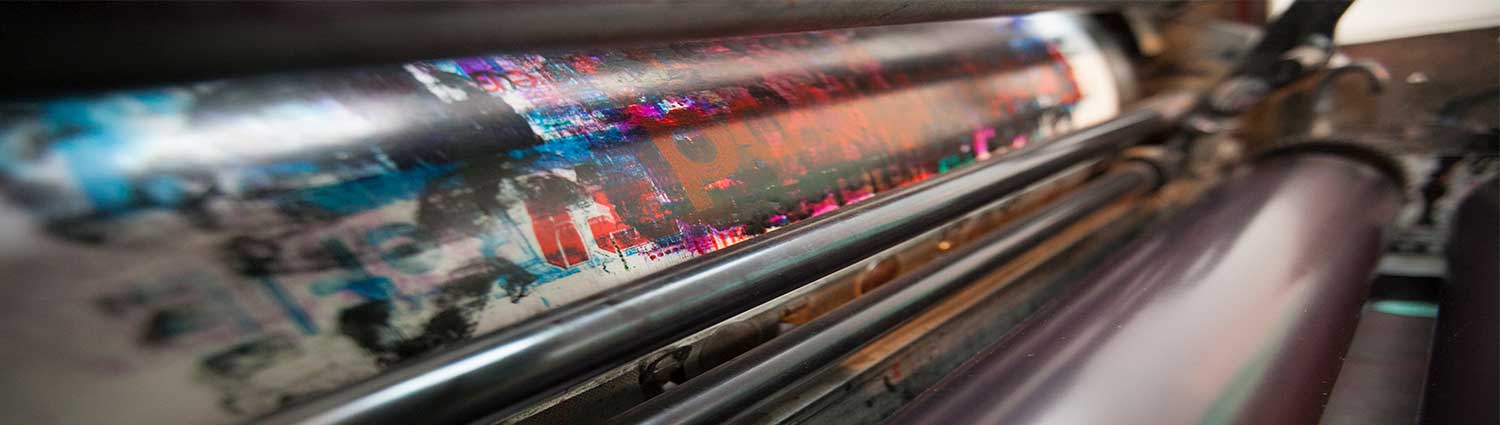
1462	382
541	356
737	386
1238	310
249	245
74	47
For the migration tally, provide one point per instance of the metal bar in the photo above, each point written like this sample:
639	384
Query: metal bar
500	372
738	385
905	361
1238	310
798	306
69	48
1463	382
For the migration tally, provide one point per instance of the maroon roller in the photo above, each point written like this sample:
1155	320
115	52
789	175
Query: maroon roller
1237	310
1463	384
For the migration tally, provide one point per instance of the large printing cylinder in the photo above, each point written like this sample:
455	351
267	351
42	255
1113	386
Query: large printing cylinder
1238	310
228	247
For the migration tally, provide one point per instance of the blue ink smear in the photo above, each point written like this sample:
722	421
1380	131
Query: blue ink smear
368	193
298	315
92	154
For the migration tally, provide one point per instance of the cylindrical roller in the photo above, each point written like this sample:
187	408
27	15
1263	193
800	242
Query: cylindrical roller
76	47
1463	384
245	245
503	370
1237	310
738	385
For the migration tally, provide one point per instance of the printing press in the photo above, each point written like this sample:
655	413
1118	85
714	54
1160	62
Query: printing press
758	212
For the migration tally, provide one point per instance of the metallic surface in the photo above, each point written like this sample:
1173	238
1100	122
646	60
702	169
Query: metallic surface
1463	383
737	386
501	371
1236	311
874	382
1276	59
1296	44
241	245
620	389
82	47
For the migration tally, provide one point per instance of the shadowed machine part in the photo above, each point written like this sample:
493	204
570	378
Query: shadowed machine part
109	45
1238	310
1462	384
737	386
543	356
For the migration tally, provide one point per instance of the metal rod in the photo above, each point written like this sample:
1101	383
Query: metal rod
1238	310
501	372
69	48
735	387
